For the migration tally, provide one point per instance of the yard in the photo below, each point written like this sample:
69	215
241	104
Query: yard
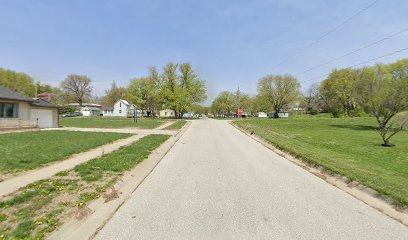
29	150
35	211
176	125
111	122
347	146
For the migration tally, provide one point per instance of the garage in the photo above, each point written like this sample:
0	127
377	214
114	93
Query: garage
44	117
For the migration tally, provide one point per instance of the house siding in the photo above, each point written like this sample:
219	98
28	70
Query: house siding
121	109
23	109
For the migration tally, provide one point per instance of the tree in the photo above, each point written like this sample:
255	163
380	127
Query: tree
261	104
192	89
139	91
245	102
170	88
181	87
18	82
77	87
339	91
279	91
383	92
312	102
224	103
154	100
113	94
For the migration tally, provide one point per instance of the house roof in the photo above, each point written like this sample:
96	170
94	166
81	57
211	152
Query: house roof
42	103
107	108
127	103
6	93
124	101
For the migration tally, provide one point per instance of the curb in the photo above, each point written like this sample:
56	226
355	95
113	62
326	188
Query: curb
102	212
357	190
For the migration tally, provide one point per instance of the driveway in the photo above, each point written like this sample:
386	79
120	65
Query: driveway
217	183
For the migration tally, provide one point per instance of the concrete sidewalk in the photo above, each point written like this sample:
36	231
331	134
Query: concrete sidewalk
14	183
116	130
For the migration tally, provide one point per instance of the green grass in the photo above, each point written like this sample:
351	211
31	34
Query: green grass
346	146
111	122
35	211
177	125
122	160
29	150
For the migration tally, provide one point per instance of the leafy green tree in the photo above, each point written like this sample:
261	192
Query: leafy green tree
77	88
339	92
170	88
181	87
261	104
18	82
279	91
139	91
383	92
192	89
224	103
246	102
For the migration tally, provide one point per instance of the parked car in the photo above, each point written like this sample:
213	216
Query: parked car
71	114
188	115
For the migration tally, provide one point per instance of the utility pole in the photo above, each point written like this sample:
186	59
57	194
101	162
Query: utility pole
238	100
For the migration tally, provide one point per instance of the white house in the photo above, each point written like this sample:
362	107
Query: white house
123	108
261	115
280	114
165	113
88	109
107	111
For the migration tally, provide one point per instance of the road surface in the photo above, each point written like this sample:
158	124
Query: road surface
217	183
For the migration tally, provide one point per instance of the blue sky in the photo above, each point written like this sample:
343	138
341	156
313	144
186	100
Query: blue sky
228	42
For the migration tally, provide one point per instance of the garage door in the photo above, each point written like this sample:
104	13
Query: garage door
44	117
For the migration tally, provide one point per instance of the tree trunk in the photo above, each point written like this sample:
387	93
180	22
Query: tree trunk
387	143
276	113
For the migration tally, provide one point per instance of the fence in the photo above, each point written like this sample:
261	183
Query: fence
17	123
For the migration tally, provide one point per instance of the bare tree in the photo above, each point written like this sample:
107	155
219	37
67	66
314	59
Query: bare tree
77	87
279	90
312	102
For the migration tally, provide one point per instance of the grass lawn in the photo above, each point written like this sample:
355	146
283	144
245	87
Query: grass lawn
28	150
37	210
347	146
177	125
111	122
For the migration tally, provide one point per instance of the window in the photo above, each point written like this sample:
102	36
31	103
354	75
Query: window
8	110
120	111
120	104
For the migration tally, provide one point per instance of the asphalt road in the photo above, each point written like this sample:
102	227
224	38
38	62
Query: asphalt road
217	183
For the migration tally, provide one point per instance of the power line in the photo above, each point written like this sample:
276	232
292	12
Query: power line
332	30
343	23
356	50
361	63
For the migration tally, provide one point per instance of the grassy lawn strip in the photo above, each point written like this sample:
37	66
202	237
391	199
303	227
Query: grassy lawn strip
111	122
177	125
346	146
35	211
29	150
